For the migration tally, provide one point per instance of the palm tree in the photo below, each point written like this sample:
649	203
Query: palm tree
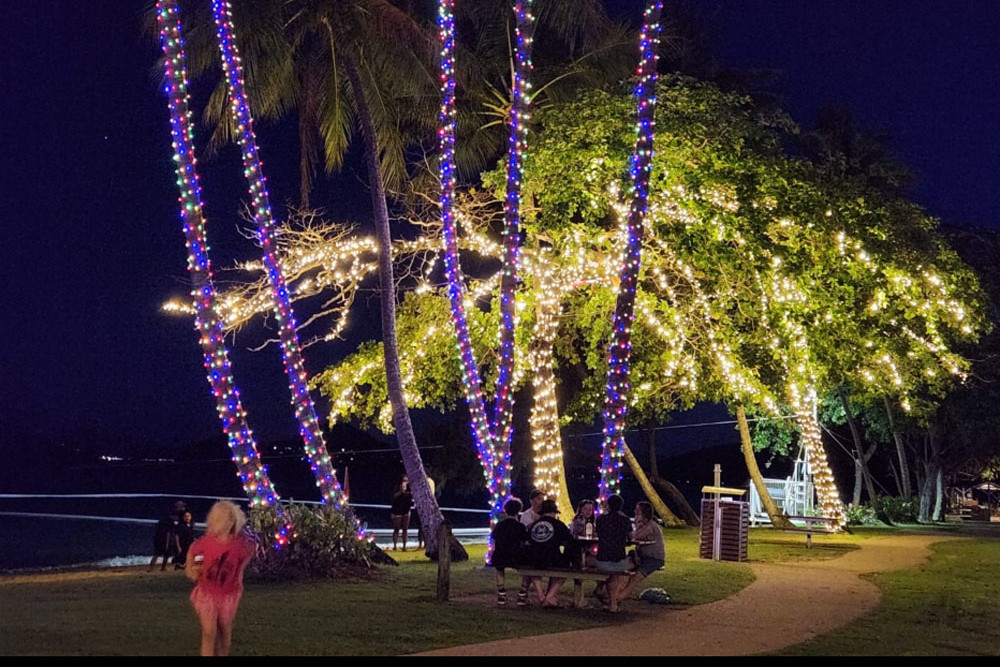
253	475
305	412
345	65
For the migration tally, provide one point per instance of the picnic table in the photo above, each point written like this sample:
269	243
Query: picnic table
578	574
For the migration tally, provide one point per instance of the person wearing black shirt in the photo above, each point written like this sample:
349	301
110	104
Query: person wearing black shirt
551	544
508	538
399	510
613	532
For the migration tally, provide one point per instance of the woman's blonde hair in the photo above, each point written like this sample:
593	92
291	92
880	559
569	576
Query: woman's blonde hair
225	519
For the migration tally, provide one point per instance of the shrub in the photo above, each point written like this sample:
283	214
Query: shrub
860	515
898	509
322	543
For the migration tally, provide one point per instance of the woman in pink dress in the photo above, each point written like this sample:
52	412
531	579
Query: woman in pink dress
215	562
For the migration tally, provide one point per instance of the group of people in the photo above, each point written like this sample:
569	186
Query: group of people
173	537
534	537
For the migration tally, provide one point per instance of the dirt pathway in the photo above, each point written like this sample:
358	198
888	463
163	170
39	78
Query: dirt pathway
786	604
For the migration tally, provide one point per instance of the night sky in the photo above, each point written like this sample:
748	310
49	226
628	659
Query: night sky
92	243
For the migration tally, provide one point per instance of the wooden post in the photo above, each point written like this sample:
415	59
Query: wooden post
444	561
717	525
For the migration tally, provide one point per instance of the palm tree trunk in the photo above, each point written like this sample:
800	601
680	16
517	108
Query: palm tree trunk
682	508
660	507
423	498
291	351
256	483
897	436
777	517
308	136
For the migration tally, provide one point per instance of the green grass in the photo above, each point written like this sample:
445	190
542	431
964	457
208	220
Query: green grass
950	606
134	612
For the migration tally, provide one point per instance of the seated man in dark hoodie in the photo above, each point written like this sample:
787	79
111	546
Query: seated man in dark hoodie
550	544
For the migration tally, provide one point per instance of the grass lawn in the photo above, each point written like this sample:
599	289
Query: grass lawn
948	607
130	611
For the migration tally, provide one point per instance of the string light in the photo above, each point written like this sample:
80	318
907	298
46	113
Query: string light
616	402
252	473
492	437
305	412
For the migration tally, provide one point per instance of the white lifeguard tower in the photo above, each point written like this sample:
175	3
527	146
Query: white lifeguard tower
795	495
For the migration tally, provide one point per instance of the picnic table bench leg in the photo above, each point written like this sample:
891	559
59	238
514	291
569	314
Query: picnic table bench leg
809	540
578	593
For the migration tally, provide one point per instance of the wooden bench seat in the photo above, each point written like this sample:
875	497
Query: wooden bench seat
578	576
812	527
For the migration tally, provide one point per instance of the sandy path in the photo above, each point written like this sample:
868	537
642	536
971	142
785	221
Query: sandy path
785	605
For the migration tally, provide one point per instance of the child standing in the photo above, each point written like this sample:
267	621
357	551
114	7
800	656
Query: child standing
216	563
508	539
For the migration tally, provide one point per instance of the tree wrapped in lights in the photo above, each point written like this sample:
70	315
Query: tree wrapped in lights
253	474
746	240
616	403
260	207
492	436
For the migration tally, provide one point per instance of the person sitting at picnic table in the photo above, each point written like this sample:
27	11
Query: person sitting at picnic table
613	532
649	552
508	538
528	517
582	526
550	545
531	514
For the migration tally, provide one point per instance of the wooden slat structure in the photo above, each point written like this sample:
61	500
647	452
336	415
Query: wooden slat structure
734	523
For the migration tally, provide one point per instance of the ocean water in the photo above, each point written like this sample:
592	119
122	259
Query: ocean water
105	515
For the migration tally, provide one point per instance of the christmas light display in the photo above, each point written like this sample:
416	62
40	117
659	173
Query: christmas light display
492	437
252	473
305	412
616	403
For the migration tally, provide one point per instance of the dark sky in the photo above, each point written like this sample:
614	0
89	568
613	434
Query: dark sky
92	243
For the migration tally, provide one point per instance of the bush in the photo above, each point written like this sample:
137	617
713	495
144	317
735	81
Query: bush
898	509
322	543
860	515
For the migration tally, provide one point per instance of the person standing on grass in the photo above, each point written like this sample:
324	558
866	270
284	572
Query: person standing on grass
185	538
613	532
399	510
216	562
650	556
166	541
508	538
